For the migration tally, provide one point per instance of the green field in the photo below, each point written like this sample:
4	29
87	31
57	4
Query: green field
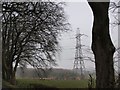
26	83
36	83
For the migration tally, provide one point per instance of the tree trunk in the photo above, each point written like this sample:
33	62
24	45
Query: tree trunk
13	79
8	73
118	80
102	45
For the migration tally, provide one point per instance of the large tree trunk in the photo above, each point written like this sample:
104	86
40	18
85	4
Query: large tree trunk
8	73
118	81
13	79
102	45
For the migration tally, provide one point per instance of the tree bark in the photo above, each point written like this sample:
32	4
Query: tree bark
118	80
102	45
9	75
13	79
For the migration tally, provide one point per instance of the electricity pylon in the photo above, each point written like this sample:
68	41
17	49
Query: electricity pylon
79	66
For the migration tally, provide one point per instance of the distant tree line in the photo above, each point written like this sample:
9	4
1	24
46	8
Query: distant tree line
57	74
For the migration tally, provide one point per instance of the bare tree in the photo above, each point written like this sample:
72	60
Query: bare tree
115	9
29	34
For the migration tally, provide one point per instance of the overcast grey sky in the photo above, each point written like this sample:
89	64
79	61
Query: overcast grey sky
79	15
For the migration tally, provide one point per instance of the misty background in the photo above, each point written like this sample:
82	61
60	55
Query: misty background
79	15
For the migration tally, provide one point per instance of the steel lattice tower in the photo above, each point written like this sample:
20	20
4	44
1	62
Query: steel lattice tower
79	66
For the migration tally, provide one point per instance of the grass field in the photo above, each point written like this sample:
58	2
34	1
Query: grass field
36	83
26	83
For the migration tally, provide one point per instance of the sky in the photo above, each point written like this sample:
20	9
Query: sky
79	15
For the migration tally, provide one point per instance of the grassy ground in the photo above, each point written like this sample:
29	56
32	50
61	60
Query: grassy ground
7	85
36	83
52	83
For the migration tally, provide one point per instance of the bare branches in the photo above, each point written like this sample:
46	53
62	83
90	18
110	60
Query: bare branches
114	8
30	31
